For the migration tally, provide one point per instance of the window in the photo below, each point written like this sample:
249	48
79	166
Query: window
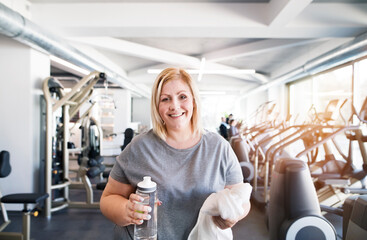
345	82
318	90
360	83
336	84
300	95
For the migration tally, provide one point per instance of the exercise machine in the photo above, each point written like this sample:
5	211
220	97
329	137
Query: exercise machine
241	150
26	199
60	107
355	218
358	135
90	162
294	211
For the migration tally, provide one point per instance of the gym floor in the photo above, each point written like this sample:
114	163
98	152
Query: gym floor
92	225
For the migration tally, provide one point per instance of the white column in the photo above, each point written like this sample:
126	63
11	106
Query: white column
22	72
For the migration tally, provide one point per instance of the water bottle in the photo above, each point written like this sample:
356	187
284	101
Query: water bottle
148	229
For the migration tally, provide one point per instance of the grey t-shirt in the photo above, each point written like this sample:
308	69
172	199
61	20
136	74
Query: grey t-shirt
184	177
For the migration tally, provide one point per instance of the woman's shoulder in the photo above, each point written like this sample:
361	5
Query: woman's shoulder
213	136
144	140
145	136
209	133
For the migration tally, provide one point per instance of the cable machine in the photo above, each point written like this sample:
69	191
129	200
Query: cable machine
60	107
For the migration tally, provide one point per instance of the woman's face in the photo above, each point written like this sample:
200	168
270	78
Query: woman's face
176	105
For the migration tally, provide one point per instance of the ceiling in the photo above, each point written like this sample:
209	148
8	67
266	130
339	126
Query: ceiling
273	37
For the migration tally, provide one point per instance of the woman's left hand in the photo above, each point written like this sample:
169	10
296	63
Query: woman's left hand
223	223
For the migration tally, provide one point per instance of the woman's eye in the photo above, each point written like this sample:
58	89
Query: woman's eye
183	97
164	99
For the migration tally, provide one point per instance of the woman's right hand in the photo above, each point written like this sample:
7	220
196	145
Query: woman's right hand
136	211
119	204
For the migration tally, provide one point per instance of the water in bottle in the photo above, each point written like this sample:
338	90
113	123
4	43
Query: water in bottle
148	229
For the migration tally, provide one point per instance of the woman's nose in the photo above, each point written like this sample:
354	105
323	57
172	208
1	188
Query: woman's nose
174	105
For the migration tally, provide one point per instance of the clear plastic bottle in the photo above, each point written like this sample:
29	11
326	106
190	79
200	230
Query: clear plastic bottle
148	229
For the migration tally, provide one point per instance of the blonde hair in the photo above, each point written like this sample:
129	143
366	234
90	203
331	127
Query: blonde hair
165	76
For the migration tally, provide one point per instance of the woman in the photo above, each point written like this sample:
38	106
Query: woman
187	163
233	130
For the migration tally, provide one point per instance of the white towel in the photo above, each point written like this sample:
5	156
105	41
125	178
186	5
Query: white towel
228	204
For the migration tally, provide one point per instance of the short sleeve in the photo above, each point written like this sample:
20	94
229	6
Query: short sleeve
234	172
117	171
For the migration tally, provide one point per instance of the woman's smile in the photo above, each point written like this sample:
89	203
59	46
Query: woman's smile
176	115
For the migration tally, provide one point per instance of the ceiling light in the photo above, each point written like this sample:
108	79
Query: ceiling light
67	66
201	69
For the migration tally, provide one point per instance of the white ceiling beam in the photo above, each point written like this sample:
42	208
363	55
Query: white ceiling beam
117	70
144	14
295	32
216	20
155	54
281	12
95	54
139	50
255	48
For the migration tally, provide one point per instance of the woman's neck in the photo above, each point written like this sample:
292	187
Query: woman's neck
182	139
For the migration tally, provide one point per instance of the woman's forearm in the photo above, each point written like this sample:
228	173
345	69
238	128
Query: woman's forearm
113	207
